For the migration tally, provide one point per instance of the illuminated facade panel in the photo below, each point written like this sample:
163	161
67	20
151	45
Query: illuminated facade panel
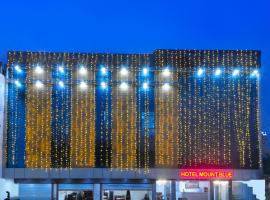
189	109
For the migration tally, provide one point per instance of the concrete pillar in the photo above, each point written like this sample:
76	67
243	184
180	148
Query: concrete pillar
96	192
230	190
211	193
55	191
101	191
173	189
154	195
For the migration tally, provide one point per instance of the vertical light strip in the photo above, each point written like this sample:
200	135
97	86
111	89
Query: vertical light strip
38	114
83	114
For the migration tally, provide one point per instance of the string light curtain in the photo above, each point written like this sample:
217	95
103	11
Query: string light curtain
214	111
69	110
166	115
124	144
38	112
61	110
16	120
83	112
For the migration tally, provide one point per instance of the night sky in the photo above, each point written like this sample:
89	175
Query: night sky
139	27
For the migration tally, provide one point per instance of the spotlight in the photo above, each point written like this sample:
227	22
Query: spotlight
61	84
166	86
124	71
200	72
161	182
61	69
255	73
17	83
145	71
83	70
218	72
103	70
145	85
236	72
38	70
18	69
166	72
39	84
124	86
103	85
83	85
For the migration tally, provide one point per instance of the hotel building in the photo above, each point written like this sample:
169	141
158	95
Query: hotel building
174	124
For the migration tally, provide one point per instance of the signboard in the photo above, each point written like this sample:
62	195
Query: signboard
206	174
192	185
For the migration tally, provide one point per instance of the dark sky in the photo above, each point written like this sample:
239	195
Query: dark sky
139	26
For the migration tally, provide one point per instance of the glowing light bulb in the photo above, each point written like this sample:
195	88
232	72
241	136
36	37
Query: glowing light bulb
18	69
200	72
236	72
103	70
166	86
145	86
124	71
17	83
61	69
61	84
161	182
145	71
124	86
83	71
83	85
218	72
103	85
38	70
166	72
255	73
39	84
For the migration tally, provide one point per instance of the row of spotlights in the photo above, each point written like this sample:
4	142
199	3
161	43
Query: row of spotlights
83	85
235	72
124	72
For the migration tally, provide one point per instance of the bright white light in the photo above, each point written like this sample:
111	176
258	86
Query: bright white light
38	70
166	86
223	183
166	72
103	70
18	69
83	71
200	72
17	83
124	86
61	84
161	182
83	85
103	85
218	72
61	69
255	73
145	71
124	71
39	84
236	72
145	86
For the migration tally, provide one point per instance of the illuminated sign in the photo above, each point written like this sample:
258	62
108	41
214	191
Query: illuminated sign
212	174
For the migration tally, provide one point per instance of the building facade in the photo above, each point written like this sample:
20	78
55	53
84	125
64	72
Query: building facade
172	124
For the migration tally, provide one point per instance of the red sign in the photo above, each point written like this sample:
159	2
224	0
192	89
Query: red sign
208	174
